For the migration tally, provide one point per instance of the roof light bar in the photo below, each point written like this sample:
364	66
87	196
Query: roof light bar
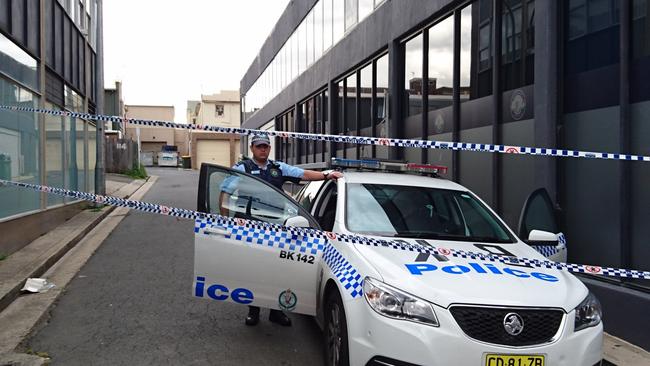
354	163
389	166
427	168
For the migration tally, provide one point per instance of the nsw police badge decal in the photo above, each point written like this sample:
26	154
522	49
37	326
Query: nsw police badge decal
287	300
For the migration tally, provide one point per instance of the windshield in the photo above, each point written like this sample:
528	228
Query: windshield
421	212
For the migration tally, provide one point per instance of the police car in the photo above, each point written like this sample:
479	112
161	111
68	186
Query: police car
380	305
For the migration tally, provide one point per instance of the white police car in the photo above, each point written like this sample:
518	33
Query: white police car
385	306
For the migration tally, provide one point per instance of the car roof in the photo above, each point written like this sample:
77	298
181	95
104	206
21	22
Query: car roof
402	179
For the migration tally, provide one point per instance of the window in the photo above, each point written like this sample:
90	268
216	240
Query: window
54	153
219	110
327	24
19	149
381	108
441	64
318	30
234	194
518	35
17	64
413	76
365	8
309	21
351	13
307	195
420	212
339	20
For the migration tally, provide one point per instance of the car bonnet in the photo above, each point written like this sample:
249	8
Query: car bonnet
446	280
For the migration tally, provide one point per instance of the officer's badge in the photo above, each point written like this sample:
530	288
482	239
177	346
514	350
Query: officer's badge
275	173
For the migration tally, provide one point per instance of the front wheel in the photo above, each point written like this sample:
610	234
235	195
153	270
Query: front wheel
336	332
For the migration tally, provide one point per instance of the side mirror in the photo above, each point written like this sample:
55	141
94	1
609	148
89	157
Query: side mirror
542	238
297	221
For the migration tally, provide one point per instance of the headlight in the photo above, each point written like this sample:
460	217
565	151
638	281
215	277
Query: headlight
393	303
588	313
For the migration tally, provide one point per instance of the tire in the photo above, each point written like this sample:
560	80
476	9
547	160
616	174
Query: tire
336	332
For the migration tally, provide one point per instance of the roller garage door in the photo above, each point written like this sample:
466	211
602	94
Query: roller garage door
213	151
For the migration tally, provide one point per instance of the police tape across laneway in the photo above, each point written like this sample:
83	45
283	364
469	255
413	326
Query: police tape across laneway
362	140
307	240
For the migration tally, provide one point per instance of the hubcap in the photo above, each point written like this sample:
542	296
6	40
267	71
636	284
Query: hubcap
334	335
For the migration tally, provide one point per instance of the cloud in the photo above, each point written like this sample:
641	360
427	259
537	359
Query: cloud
167	52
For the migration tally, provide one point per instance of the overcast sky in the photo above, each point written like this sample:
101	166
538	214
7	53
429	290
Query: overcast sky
168	52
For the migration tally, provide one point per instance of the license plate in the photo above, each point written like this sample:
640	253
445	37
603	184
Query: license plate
514	360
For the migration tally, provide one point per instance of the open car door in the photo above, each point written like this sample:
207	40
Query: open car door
538	226
253	265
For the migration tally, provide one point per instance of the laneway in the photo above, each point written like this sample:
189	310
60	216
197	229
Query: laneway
131	304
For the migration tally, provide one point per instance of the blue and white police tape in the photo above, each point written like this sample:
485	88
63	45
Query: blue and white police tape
315	241
423	144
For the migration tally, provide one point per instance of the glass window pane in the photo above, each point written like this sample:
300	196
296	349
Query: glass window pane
318	30
381	109
339	17
302	47
54	153
475	79
17	63
81	154
340	99
19	150
413	76
518	35
365	8
327	24
294	55
92	156
593	35
351	13
365	101
365	111
310	38
351	113
311	128
441	64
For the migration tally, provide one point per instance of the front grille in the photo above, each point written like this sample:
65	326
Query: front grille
486	324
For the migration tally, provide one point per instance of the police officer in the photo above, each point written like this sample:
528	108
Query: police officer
275	173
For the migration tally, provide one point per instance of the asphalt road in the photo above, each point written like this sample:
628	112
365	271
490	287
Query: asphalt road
131	304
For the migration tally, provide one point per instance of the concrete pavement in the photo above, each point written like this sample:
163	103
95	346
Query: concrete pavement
51	257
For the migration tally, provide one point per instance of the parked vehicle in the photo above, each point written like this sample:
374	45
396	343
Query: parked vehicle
384	306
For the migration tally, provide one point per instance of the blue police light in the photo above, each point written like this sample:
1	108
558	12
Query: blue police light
355	163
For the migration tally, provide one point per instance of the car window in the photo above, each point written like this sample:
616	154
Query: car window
307	195
236	194
325	213
421	212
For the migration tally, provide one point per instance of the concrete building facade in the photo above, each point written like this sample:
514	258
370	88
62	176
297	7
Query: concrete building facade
558	74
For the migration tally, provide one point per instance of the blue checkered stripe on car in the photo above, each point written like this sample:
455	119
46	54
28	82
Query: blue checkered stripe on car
545	250
347	275
257	234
